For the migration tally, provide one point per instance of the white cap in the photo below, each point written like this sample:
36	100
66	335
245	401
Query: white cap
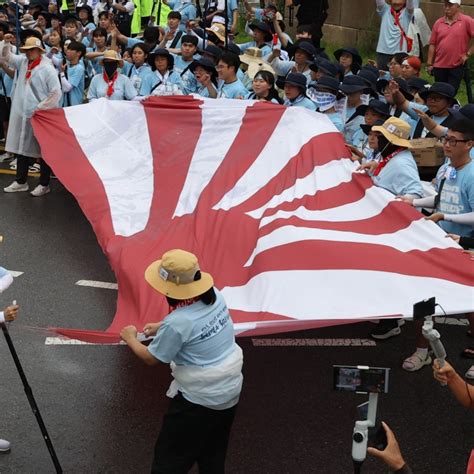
457	2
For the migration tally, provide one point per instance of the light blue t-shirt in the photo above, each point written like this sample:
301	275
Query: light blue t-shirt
6	84
400	176
75	77
188	11
199	335
94	65
457	197
301	101
232	90
266	48
390	34
137	76
415	119
188	80
336	119
353	126
123	88
156	84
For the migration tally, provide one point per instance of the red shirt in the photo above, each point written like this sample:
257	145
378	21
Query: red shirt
451	40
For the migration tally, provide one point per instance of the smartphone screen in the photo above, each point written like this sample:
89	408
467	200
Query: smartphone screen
361	380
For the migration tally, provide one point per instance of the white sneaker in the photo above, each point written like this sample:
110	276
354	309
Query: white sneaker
416	361
470	373
4	446
6	157
40	190
16	188
13	164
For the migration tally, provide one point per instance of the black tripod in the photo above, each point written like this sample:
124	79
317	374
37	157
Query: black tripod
31	399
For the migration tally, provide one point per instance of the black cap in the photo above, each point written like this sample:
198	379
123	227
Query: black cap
296	79
440	88
352	84
382	108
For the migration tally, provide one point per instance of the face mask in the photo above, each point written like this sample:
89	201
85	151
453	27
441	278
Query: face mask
110	68
324	100
365	98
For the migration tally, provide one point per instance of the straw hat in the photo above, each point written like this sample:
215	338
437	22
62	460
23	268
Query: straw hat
254	59
32	43
396	131
218	29
174	275
111	55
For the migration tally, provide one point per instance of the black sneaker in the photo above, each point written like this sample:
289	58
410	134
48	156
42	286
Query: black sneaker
386	329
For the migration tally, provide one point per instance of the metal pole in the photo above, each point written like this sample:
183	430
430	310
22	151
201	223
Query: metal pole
31	400
226	18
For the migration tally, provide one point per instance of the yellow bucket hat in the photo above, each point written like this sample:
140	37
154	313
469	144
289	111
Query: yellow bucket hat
396	131
174	275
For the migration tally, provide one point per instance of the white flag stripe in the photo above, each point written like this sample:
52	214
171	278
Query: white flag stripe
210	152
120	152
372	204
387	294
417	236
295	129
321	178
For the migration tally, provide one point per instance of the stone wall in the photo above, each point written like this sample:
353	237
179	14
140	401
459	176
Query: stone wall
356	23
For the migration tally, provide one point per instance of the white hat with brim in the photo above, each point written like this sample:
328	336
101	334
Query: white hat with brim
255	62
111	55
396	131
32	43
174	275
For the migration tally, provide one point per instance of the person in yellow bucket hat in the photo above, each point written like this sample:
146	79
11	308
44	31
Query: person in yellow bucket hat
197	340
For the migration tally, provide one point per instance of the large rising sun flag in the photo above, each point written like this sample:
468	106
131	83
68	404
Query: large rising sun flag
268	199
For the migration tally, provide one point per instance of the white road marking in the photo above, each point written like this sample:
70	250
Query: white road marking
283	342
97	284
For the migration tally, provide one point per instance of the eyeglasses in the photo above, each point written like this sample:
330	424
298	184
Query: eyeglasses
451	141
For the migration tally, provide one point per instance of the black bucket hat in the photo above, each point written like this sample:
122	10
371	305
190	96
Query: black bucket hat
296	79
440	88
265	28
382	108
321	64
367	128
88	9
464	113
402	84
369	77
330	83
213	50
206	64
307	48
417	84
356	57
160	52
352	84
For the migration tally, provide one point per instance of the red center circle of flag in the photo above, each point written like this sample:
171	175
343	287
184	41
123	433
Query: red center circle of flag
268	199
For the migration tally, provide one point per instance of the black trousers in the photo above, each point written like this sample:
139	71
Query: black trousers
22	163
452	76
192	434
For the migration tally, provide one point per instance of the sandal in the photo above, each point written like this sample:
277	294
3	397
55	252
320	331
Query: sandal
468	353
416	361
470	373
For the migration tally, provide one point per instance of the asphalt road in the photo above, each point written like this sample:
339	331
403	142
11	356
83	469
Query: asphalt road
103	408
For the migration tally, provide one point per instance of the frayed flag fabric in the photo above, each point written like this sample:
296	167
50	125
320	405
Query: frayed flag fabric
268	199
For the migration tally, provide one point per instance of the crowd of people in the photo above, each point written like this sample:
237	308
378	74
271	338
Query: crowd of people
56	57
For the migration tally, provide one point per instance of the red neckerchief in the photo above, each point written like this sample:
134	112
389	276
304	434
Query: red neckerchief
383	162
396	18
31	66
183	303
110	82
